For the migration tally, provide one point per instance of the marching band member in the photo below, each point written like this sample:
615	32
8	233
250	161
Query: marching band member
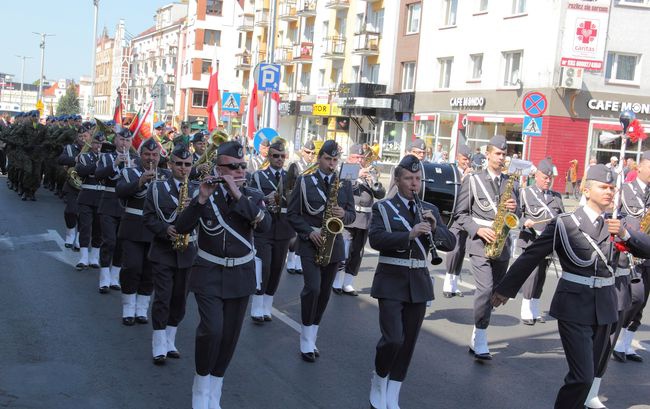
272	245
418	148
365	191
198	144
307	154
585	300
539	205
478	200
454	259
262	156
88	201
223	274
109	171
402	283
170	259
136	275
307	206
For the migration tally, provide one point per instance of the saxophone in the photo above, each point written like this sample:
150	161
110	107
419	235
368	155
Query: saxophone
503	222
182	240
331	226
645	223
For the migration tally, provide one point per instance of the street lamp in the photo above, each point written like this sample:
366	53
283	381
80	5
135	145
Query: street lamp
22	78
91	110
40	81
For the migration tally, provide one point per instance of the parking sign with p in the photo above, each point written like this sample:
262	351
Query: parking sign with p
269	78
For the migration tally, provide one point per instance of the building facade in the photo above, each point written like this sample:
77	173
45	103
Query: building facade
112	61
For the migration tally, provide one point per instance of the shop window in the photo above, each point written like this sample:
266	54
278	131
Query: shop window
451	7
603	152
512	68
445	72
392	141
413	18
622	67
476	66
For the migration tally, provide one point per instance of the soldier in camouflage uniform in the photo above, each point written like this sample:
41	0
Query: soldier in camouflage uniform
34	136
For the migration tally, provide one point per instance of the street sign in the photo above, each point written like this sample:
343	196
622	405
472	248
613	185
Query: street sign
269	78
532	126
264	133
534	104
230	102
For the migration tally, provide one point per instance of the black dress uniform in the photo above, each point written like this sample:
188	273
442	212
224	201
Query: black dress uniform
306	211
476	207
222	277
585	301
88	200
272	246
294	264
170	267
136	274
401	284
536	205
68	159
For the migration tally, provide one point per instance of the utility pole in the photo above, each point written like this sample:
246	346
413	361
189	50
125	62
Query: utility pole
91	108
40	81
22	78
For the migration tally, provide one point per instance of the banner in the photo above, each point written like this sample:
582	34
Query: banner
585	34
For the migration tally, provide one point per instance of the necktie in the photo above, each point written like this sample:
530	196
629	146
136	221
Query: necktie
647	195
412	208
599	223
497	182
326	180
277	176
228	199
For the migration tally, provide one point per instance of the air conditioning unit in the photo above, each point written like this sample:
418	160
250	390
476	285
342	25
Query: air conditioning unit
571	78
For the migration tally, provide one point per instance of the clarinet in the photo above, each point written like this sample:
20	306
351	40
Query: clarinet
435	258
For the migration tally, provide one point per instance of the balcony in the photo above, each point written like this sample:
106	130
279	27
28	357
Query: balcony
283	55
303	52
366	44
246	22
306	8
334	48
338	4
287	11
262	18
243	61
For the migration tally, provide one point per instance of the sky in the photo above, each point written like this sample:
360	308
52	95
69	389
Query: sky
69	53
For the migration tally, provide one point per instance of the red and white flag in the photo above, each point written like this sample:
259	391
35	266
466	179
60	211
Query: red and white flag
274	121
252	113
117	114
214	99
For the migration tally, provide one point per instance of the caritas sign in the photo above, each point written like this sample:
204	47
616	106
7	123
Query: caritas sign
585	32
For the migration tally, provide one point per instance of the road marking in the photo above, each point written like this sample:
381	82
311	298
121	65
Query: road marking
286	319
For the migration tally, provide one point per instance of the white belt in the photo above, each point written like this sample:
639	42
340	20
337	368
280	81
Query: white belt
591	282
482	222
363	209
131	210
193	237
622	272
403	262
283	210
92	187
226	262
109	189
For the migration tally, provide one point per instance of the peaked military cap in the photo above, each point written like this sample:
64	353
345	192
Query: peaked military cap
410	163
600	173
233	149
330	147
499	142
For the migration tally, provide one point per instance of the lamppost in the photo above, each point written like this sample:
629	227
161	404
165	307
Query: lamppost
40	81
22	78
91	110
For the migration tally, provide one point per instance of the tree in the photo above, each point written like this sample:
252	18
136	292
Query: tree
69	103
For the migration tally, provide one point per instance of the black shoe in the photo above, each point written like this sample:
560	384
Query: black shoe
540	320
141	319
352	293
619	356
298	271
291	271
159	360
634	357
81	266
103	290
75	248
258	320
459	293
528	322
94	265
337	291
115	287
24	197
68	245
447	294
316	353
128	321
481	357
173	354
308	357
268	318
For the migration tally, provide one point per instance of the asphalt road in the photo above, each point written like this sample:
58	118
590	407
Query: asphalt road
63	345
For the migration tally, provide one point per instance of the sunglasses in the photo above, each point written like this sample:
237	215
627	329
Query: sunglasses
279	155
181	164
235	166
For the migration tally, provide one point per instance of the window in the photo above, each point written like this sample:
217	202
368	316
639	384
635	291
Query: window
482	5
408	76
512	68
622	67
205	66
641	2
476	66
355	73
321	78
212	37
413	18
450	12
372	73
360	23
445	72
214	7
200	98
518	6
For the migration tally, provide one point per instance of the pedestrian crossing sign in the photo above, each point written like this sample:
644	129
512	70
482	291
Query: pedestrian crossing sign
230	102
532	126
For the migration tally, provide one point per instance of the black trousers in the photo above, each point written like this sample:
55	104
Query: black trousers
273	254
110	252
454	259
584	347
486	273
358	238
136	274
218	332
317	289
615	331
89	223
640	293
3	161
170	295
534	284
292	243
400	324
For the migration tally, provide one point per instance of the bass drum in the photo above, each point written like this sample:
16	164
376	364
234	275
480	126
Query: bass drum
441	187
